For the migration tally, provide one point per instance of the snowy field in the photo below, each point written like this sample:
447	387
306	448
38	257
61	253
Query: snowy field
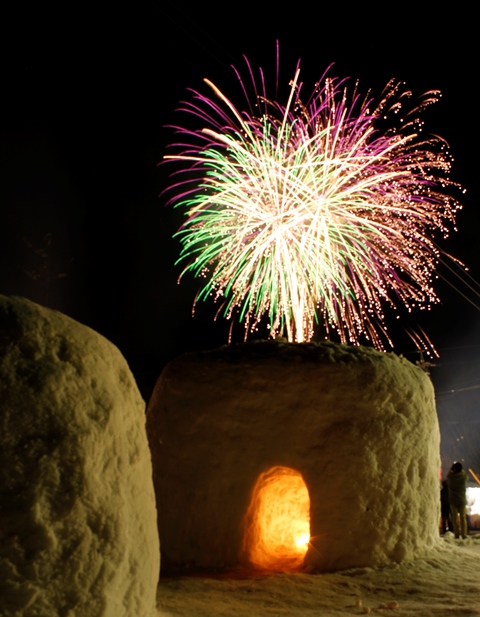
444	584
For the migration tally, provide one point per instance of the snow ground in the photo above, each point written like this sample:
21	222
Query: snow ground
446	583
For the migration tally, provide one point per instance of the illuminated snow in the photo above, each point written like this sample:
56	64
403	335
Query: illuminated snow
78	534
359	426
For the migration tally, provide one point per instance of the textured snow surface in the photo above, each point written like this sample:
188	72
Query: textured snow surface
444	584
78	533
359	426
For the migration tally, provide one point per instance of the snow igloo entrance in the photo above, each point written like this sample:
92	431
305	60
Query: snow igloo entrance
277	530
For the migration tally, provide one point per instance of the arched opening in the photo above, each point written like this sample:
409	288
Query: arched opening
277	529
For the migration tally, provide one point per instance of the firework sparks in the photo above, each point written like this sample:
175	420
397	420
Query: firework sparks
322	212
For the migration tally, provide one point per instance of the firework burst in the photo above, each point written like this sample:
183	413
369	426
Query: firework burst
317	212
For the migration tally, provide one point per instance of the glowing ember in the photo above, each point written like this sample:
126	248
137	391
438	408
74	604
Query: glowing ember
303	540
313	212
278	522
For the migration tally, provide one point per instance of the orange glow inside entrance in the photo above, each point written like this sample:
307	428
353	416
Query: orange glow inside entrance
278	520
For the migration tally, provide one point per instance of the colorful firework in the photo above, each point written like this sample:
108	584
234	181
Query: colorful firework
318	212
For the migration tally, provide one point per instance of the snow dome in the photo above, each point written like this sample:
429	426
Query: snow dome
78	532
342	442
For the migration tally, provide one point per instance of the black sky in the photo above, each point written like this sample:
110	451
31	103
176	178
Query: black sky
88	91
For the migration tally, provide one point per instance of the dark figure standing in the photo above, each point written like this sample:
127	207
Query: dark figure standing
457	496
445	508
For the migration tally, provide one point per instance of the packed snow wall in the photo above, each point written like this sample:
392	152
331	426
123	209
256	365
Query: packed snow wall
78	532
358	427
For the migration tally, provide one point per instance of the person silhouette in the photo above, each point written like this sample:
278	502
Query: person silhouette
445	509
457	496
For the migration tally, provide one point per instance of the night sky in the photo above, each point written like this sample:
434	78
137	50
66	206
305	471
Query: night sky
89	90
